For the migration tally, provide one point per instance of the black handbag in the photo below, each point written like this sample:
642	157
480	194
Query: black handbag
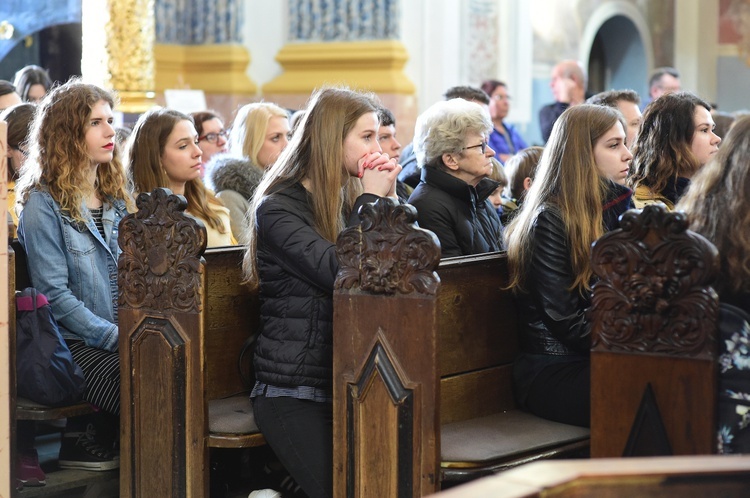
45	370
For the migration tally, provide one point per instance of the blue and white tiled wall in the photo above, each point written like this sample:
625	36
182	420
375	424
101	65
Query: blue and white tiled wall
343	20
194	22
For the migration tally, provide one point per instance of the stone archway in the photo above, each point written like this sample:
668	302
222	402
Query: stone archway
616	44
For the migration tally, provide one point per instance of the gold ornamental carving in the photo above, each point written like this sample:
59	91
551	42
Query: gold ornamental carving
130	35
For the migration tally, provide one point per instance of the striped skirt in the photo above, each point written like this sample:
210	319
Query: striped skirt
102	371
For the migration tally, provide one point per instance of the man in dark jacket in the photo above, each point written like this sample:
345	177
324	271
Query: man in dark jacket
452	197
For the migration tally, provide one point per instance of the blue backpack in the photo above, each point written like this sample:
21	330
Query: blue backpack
45	370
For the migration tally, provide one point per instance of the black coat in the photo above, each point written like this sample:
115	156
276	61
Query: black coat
297	268
461	216
553	317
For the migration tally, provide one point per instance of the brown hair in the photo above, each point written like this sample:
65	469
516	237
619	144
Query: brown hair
662	149
316	154
520	166
718	206
58	152
567	178
19	118
145	172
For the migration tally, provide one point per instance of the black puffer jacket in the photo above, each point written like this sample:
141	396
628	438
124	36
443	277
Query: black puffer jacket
461	216
297	268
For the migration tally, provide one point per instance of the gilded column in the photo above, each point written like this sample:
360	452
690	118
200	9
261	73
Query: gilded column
130	47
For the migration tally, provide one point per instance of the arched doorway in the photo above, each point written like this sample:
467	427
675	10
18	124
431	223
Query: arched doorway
617	58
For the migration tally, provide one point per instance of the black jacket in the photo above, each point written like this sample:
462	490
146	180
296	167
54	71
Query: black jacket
461	216
553	317
297	268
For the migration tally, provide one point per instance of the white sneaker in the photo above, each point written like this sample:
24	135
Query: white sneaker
264	493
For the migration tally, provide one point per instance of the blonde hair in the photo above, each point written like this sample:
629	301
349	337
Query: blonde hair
145	148
249	129
58	153
568	179
315	154
718	206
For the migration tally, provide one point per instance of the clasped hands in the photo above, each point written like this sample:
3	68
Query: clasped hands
378	174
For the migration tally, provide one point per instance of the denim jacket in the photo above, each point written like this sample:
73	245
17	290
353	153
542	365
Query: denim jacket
74	267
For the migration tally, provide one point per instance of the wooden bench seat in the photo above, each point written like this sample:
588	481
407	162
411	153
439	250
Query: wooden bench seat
184	317
423	365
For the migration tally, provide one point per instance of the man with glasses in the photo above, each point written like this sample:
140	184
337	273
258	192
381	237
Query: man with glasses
450	144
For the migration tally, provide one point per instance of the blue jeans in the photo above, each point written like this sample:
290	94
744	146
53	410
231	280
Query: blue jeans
300	432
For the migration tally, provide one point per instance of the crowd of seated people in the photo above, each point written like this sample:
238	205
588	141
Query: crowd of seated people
287	194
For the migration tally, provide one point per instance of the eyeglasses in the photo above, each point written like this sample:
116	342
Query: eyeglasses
501	97
213	137
483	145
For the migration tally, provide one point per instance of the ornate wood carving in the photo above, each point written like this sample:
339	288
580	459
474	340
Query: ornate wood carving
655	291
387	253
161	253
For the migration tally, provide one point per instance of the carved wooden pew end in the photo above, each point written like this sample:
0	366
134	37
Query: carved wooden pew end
654	328
422	364
184	315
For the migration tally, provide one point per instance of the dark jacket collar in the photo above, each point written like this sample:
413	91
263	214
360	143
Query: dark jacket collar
457	187
617	200
674	188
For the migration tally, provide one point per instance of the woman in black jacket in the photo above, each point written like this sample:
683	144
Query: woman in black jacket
570	204
332	166
450	142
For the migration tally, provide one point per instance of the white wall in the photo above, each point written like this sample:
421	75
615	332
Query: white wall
264	34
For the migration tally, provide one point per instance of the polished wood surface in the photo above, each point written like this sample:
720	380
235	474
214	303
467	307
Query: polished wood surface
663	477
418	343
184	316
654	327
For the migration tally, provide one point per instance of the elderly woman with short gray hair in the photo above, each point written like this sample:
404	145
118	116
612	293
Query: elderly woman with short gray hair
450	143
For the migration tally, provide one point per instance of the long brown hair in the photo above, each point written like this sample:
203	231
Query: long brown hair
718	206
58	154
316	154
145	148
568	179
662	149
19	118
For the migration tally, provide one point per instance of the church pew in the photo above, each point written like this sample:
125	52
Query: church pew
184	317
654	339
423	352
